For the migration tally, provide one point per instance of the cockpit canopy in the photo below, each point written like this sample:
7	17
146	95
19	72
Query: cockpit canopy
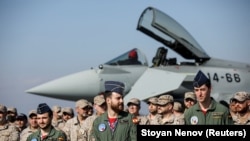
132	57
166	30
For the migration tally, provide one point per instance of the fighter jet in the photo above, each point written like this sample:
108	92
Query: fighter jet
164	76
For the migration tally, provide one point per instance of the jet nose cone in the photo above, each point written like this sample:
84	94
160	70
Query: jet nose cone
85	84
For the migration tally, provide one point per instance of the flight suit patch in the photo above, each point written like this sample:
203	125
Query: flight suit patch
217	115
101	127
60	139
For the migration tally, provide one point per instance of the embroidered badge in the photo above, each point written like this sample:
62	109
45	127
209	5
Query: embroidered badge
194	120
60	139
34	139
101	127
135	120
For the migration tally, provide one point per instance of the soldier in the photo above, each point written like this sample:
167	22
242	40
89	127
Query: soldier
153	116
206	111
57	115
11	116
165	109
100	108
91	109
179	112
21	122
189	99
32	126
134	106
67	113
46	132
8	132
242	111
72	127
115	124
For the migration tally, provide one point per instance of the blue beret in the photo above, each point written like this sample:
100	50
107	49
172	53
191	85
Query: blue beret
114	86
200	79
43	108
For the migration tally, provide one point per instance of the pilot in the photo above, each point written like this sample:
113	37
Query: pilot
115	124
132	59
206	111
46	131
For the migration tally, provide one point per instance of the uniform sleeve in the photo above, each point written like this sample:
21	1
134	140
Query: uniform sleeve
228	118
133	131
62	136
186	116
94	133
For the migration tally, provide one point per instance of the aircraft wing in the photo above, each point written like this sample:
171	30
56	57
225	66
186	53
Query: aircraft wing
154	82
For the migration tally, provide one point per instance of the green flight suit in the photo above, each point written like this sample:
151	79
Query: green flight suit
54	135
217	114
125	129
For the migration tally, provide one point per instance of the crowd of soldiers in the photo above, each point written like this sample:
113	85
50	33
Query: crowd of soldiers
107	118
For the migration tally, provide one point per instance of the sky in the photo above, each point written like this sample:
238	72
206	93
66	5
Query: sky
45	40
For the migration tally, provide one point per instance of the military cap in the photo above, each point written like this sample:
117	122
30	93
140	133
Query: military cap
32	113
114	86
200	79
43	108
135	101
68	110
82	103
190	95
56	109
3	108
152	100
177	106
99	100
21	116
12	110
165	99
240	96
90	104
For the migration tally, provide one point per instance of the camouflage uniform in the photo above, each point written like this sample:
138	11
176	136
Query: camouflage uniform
54	135
242	116
74	131
172	120
87	126
26	132
8	133
155	120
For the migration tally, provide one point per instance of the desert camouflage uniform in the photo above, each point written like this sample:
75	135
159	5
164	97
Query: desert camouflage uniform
87	126
74	131
155	120
141	120
56	123
26	132
172	120
9	133
241	121
180	119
